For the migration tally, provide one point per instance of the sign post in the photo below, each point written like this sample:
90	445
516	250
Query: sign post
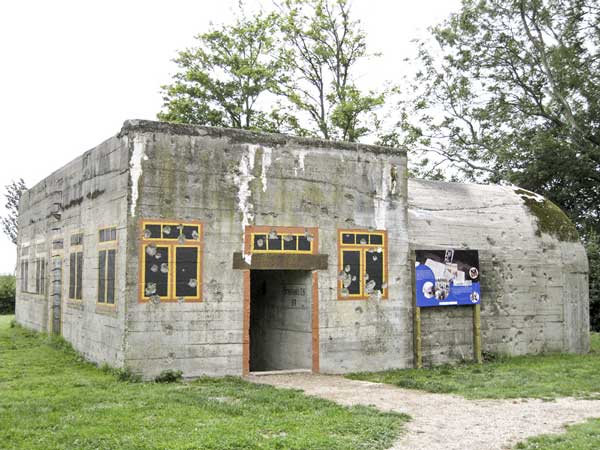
416	318
445	278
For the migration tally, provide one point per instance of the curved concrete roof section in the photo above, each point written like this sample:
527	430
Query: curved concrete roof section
534	268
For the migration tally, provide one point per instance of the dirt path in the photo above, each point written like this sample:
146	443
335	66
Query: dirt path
447	422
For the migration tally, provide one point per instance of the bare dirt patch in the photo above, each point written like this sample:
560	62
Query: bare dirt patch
447	422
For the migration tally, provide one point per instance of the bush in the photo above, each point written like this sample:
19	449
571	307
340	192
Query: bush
7	294
169	376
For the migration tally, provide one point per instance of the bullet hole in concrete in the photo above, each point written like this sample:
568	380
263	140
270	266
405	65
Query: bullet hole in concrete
150	289
154	268
195	235
155	299
147	234
358	309
370	286
260	243
193	283
158	255
166	230
273	234
151	250
181	300
181	239
344	292
164	268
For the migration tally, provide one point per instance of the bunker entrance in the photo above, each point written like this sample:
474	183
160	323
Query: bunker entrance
280	320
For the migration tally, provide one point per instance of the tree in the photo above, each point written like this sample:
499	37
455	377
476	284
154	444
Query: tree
323	47
288	71
222	80
509	92
10	223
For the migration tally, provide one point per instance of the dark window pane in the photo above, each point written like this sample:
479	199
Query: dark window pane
101	236
170	231
290	242
376	239
110	277
156	271
260	242
374	270
186	277
348	238
275	244
362	239
37	276
191	232
101	275
113	234
351	266
152	232
72	274
79	275
303	244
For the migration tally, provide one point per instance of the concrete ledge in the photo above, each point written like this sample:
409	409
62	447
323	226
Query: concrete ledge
274	261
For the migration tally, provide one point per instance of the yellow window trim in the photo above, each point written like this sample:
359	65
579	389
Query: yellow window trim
105	302
172	245
290	252
363	249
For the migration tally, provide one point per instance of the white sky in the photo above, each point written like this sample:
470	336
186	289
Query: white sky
73	71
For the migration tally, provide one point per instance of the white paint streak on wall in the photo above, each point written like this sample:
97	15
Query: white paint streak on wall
135	169
380	199
266	163
242	181
300	154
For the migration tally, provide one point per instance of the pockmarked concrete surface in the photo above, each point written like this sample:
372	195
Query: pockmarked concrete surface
446	422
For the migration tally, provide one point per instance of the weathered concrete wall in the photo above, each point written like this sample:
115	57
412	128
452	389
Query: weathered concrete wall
228	179
534	272
83	196
280	320
534	279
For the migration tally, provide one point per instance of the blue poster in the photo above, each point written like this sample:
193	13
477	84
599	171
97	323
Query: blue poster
447	277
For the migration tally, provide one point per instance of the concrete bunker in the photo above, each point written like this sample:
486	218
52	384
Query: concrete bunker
163	231
280	320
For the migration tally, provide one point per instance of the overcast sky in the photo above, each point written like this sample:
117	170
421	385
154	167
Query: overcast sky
73	71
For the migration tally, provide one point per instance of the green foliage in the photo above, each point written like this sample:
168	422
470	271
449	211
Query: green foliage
169	376
584	436
508	91
223	79
124	374
52	399
322	45
10	223
7	294
536	376
289	71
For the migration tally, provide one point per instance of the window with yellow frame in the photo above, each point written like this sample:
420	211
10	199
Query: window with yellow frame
171	261
282	242
362	264
107	261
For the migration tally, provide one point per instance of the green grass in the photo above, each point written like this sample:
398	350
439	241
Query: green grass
585	436
537	376
51	399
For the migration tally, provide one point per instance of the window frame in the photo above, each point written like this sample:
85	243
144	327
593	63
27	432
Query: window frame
364	250
75	249
105	246
252	230
172	245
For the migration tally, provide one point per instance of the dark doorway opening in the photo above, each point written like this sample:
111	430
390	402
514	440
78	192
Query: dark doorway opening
280	320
